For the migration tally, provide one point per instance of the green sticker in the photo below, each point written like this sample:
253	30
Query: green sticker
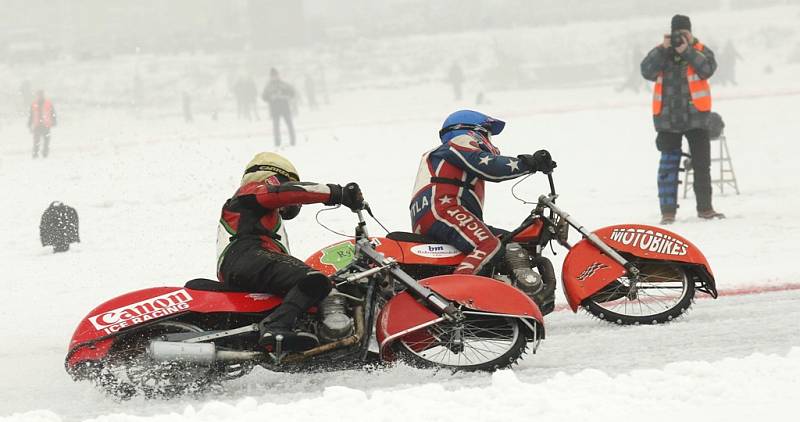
338	256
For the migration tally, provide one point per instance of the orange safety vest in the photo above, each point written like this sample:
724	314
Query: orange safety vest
699	89
43	117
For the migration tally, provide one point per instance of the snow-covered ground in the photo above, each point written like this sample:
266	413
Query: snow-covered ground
149	191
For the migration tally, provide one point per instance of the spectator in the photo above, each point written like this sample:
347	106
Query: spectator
311	92
186	102
279	95
727	65
27	95
246	93
681	106
633	81
456	78
41	119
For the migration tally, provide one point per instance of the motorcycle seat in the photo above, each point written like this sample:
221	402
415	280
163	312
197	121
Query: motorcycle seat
410	237
210	285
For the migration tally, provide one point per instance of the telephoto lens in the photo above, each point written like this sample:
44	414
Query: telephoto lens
676	39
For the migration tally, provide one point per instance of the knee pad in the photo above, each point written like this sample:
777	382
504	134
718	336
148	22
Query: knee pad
668	169
315	284
670	163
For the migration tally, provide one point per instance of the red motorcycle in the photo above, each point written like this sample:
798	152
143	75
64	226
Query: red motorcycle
166	341
394	299
628	274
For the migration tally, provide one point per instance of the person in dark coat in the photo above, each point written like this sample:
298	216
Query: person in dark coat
279	95
681	106
727	65
456	78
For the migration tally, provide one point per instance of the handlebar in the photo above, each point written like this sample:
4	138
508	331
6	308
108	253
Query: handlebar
361	228
552	185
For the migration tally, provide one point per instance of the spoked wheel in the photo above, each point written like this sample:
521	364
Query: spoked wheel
128	370
664	292
478	343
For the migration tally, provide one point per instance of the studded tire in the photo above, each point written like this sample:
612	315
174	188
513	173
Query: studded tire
665	292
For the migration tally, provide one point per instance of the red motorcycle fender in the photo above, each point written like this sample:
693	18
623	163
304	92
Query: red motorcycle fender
95	333
586	269
403	314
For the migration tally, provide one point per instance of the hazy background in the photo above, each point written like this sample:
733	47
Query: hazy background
148	184
142	55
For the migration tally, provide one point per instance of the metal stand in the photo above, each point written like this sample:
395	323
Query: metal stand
726	174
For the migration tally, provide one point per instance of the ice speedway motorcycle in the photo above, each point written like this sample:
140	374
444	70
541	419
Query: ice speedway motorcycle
395	299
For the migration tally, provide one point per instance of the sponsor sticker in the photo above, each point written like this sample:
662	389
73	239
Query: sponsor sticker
435	250
590	270
650	241
338	256
146	310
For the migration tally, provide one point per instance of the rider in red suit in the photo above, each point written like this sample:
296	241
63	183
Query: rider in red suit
448	195
254	253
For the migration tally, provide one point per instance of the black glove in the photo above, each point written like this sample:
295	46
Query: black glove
539	161
350	196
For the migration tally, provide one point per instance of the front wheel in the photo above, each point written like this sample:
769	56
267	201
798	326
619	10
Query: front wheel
477	343
663	292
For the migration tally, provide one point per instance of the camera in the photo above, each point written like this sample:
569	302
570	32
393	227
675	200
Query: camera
676	39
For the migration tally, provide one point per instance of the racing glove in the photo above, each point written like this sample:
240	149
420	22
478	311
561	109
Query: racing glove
539	161
348	195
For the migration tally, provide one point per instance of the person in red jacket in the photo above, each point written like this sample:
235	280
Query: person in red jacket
253	247
42	117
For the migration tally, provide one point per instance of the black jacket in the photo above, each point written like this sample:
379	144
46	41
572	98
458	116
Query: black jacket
678	114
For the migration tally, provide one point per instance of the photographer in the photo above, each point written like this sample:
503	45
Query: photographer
680	67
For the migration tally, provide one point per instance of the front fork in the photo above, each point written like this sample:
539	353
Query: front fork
633	271
445	308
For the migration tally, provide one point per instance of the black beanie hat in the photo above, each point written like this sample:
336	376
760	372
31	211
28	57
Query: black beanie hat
681	22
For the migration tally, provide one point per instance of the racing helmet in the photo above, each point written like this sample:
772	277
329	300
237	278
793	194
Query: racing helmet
271	168
465	121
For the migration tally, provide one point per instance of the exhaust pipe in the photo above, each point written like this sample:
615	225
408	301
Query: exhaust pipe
203	353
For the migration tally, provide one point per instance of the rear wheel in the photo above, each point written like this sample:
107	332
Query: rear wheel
663	292
478	343
128	370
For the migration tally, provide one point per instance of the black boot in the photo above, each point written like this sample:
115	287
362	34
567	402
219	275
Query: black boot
279	326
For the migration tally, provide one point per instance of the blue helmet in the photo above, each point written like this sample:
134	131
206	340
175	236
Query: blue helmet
464	121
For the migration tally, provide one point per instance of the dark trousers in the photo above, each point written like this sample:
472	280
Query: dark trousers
669	143
276	128
41	133
248	267
251	268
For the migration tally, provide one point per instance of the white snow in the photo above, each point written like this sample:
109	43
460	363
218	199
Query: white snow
148	192
755	387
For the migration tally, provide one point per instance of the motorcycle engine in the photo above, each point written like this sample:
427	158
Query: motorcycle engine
334	322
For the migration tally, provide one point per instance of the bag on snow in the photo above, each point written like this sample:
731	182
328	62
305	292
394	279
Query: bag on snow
59	227
715	125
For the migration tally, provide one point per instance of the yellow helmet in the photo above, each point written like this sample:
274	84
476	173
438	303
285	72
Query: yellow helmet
267	164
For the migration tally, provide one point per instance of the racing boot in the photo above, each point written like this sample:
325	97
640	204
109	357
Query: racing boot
279	326
710	214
